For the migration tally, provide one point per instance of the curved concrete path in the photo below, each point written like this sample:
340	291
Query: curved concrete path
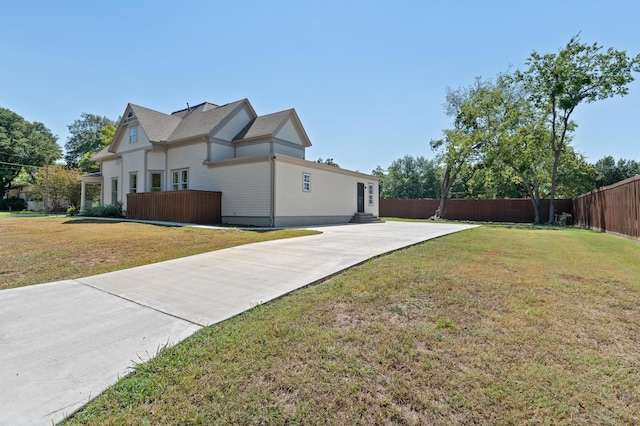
63	343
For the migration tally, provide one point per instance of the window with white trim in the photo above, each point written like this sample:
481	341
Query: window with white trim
156	181
306	182
179	179
370	194
133	183
114	190
133	134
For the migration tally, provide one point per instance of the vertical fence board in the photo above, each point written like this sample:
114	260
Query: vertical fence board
614	208
187	206
481	210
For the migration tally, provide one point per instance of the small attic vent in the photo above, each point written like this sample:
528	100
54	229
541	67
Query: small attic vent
130	117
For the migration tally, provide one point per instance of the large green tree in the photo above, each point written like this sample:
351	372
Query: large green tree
609	171
557	83
87	135
474	112
410	177
62	185
23	144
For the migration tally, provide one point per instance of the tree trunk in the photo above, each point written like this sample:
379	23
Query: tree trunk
444	193
534	195
554	178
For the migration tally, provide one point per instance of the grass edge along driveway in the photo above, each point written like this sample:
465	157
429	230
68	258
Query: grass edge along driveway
36	250
491	325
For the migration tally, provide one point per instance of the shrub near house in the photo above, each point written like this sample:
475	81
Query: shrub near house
64	187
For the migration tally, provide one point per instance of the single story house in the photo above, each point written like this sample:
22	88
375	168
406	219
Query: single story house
23	191
257	163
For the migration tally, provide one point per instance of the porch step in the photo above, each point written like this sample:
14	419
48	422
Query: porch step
365	218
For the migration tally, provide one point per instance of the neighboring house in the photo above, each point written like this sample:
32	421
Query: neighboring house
256	162
23	191
18	191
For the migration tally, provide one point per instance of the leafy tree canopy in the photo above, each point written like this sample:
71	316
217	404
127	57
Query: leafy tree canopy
410	177
23	144
64	186
609	171
557	83
328	161
89	134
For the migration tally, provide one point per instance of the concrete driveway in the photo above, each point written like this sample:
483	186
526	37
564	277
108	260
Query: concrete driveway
63	343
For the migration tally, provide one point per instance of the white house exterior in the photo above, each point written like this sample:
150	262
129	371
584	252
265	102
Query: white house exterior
256	162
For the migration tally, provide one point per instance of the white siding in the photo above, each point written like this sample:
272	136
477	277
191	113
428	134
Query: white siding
123	143
291	151
253	149
156	160
110	170
246	188
218	151
289	133
189	157
332	193
131	162
234	126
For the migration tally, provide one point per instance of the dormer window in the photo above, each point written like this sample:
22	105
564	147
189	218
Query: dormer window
133	134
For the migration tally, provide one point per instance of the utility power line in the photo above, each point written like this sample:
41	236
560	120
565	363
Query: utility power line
20	165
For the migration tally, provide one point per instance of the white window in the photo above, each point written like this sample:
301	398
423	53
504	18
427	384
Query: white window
306	182
156	181
370	194
133	134
180	179
114	190
133	183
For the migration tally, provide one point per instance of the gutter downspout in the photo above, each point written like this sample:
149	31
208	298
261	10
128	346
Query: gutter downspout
121	179
272	160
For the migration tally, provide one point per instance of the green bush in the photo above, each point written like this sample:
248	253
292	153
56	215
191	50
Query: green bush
110	210
13	204
72	211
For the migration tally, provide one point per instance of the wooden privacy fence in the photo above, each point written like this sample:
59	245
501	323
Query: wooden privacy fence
518	210
614	208
188	206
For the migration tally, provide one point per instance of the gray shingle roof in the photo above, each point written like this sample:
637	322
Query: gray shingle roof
201	119
265	125
157	125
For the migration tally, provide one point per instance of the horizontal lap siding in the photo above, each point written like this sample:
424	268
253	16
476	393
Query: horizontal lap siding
504	210
248	150
292	151
614	208
246	188
190	157
332	192
188	206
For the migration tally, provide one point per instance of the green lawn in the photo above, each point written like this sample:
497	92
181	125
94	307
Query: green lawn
35	250
494	325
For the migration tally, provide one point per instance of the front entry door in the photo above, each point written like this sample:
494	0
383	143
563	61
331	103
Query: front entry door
360	197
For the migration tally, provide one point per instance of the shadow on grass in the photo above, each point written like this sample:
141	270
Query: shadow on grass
89	220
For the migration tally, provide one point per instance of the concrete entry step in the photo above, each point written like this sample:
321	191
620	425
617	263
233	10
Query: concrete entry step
365	218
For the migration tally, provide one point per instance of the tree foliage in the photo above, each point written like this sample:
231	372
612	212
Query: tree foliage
473	110
410	177
520	125
64	186
106	135
328	162
609	171
556	83
87	135
23	143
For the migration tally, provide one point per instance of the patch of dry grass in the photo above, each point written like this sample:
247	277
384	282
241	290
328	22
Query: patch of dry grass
41	249
487	326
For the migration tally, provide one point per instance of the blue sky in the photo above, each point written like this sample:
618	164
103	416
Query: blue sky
367	78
